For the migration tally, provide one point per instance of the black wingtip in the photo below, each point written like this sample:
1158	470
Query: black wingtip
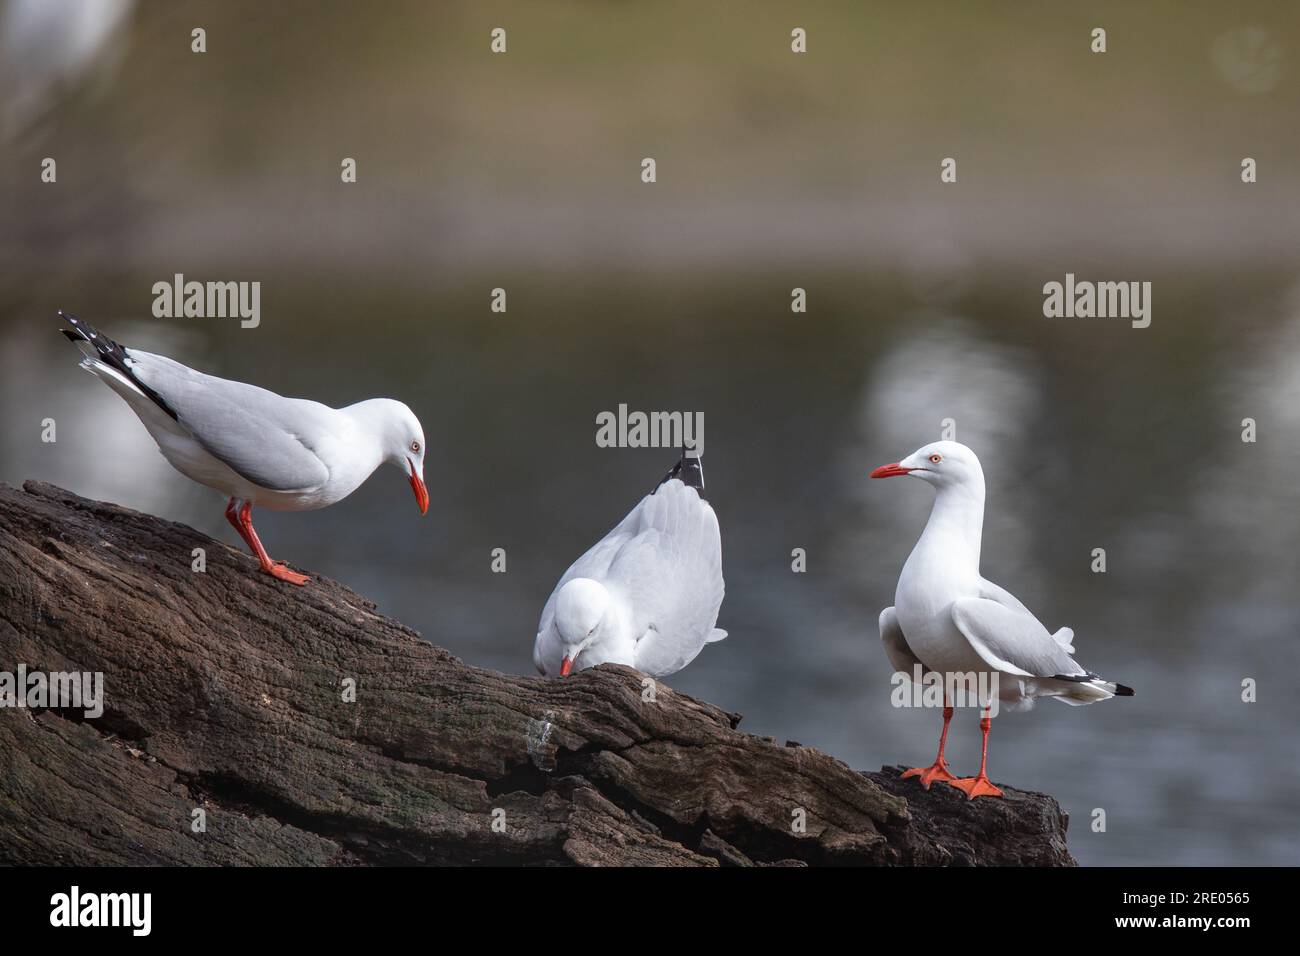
76	333
111	354
1121	690
689	470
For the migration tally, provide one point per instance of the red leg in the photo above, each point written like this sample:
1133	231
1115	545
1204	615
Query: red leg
939	769
241	516
980	786
232	515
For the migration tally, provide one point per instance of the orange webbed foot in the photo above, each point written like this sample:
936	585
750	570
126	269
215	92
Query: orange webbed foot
279	571
936	771
974	787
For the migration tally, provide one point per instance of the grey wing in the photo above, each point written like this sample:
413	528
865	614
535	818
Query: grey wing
1064	636
670	576
265	437
896	648
1011	640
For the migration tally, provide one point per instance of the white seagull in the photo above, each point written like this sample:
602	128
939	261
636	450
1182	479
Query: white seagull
647	594
948	620
257	447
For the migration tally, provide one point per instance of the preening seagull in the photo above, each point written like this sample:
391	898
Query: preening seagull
647	594
257	447
950	621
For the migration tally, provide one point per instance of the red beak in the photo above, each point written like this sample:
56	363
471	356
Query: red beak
421	492
891	470
566	667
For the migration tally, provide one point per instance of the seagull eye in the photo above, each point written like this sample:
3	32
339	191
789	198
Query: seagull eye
936	458
415	447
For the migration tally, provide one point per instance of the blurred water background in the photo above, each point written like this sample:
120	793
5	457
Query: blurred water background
775	170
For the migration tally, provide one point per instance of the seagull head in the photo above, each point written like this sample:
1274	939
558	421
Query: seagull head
579	610
941	463
403	444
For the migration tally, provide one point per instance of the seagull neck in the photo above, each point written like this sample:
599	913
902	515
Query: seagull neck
372	422
958	517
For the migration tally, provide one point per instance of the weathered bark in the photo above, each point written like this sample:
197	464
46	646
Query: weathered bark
224	691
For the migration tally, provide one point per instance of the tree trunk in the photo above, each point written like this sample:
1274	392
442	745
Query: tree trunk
230	693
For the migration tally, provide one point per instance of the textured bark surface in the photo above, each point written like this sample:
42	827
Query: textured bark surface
224	691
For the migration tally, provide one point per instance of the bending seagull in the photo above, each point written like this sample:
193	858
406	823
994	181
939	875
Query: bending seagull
646	595
948	620
257	447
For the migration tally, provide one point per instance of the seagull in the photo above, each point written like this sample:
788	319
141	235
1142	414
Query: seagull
257	447
948	620
647	594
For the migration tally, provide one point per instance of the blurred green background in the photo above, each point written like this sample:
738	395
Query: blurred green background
775	170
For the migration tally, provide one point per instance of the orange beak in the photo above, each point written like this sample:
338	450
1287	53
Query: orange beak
566	667
891	470
421	492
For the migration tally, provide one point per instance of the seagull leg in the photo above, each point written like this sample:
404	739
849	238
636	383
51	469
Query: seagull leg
939	769
232	515
240	514
980	785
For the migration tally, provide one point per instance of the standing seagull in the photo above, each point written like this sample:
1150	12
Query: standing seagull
286	454
949	620
647	594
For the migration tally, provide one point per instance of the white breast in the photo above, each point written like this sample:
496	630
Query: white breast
935	575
